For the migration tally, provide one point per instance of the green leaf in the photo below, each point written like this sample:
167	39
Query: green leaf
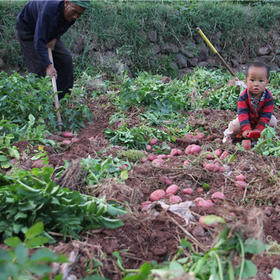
4	256
145	270
43	255
21	253
12	241
254	246
35	230
250	270
39	269
124	175
36	241
275	274
212	220
3	158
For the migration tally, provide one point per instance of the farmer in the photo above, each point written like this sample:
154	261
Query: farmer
39	27
255	105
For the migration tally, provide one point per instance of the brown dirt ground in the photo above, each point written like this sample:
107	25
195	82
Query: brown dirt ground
154	234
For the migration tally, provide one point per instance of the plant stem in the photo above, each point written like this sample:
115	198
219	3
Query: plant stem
219	265
242	257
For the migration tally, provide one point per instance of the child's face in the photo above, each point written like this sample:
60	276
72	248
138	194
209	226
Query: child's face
256	80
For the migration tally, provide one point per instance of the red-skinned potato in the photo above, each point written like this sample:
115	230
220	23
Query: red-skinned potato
66	142
224	155
151	157
175	199
75	139
148	147
200	190
153	141
165	180
123	166
67	134
240	177
200	135
157	195
217	195
157	162
145	205
241	184
144	159
172	189
187	190
186	163
163	156
218	152
200	202
196	149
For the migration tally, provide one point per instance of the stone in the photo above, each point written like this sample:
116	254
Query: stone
264	50
1	62
38	163
183	72
203	53
203	64
169	48
154	48
193	61
181	60
153	36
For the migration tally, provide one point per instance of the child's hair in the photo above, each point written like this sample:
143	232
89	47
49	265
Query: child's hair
259	64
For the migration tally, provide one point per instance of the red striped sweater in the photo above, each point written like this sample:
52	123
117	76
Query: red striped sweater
248	117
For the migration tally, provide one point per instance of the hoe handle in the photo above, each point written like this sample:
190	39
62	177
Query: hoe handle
56	101
215	51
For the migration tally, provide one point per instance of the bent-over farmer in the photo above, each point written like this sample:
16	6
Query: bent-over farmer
39	26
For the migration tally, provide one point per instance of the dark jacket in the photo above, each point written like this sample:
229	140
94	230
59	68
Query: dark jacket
250	118
42	21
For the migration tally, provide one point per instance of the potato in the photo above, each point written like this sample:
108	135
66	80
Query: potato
175	199
148	147
200	202
67	134
224	155
196	149
157	195
123	166
157	162
186	163
172	189
218	195
187	190
145	205
75	139
200	190
165	180
144	159
153	141
200	135
241	184
209	155
163	156
66	142
218	152
240	177
151	157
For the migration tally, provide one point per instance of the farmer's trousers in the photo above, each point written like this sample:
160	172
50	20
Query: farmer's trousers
61	57
234	127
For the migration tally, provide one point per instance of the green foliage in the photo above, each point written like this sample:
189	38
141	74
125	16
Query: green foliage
132	155
19	262
98	168
136	137
34	104
27	197
268	144
217	263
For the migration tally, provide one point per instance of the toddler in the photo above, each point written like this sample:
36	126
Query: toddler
255	105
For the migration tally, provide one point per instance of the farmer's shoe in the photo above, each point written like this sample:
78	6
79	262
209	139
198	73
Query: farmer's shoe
246	144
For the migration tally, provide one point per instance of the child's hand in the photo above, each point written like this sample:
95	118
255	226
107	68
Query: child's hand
245	133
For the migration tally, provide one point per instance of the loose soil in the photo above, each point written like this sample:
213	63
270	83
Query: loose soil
154	234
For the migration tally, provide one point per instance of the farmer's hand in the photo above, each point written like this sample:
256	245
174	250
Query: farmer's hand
50	71
245	133
51	44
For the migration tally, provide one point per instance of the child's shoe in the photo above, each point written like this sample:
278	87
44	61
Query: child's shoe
227	138
246	144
